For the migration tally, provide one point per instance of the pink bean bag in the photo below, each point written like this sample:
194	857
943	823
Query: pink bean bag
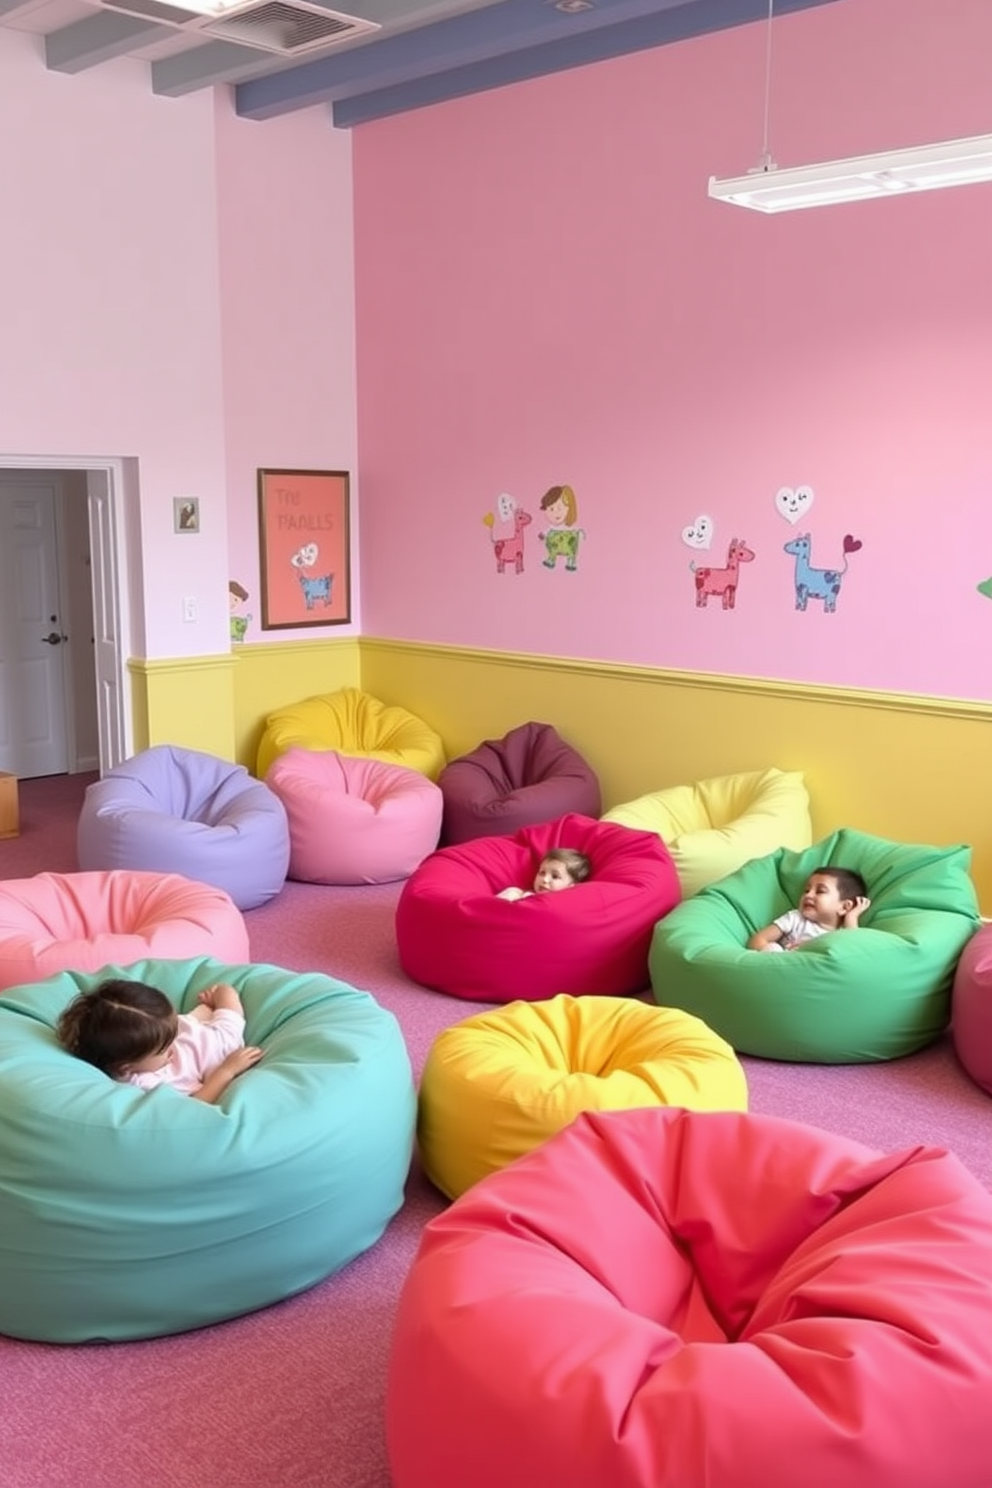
83	921
354	820
666	1299
530	775
971	1008
456	936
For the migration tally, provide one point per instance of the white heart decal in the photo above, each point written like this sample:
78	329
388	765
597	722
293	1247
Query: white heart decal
699	534
793	504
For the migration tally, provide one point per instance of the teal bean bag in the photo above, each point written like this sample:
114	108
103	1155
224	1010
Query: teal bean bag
128	1214
849	997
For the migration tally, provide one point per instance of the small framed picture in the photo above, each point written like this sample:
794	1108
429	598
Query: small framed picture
186	514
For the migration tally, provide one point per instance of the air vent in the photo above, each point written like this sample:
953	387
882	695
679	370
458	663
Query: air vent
287	27
276	26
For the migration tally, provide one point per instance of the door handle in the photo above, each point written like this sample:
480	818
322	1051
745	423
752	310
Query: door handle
54	639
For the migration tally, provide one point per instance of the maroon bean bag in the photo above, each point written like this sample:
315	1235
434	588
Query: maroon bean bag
971	1008
529	776
454	934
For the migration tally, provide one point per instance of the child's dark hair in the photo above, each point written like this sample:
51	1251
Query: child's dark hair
576	864
850	884
117	1024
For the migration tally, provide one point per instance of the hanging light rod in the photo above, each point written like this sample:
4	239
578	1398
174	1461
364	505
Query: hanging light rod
961	162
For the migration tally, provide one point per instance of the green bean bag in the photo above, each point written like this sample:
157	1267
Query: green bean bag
849	997
129	1214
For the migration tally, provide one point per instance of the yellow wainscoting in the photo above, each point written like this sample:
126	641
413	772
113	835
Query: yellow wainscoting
219	703
184	700
272	676
913	769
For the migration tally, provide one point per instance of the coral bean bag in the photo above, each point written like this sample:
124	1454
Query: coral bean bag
667	1299
82	921
170	810
715	826
845	998
354	821
127	1213
498	1084
529	776
456	935
352	722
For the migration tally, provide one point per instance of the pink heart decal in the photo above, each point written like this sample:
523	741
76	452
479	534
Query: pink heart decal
852	544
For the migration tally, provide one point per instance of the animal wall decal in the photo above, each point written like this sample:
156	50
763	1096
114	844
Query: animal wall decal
818	583
506	533
722	581
316	587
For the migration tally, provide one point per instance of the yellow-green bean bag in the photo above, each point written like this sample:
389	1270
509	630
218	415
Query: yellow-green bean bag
848	997
498	1084
713	827
352	722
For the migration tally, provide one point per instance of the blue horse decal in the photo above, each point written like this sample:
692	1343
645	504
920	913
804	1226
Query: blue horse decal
818	583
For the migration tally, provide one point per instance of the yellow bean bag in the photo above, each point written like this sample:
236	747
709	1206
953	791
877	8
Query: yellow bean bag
499	1084
355	723
715	826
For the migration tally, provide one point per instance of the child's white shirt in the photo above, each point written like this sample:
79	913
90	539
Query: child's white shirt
796	928
199	1048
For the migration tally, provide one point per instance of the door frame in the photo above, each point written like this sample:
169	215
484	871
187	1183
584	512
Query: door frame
111	570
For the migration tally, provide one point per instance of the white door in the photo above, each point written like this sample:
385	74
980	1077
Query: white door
106	620
32	681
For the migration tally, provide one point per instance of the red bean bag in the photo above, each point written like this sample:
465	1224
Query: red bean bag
456	936
971	1008
529	776
665	1299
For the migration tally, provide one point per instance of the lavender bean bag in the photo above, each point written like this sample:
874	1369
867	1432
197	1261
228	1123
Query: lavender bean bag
529	776
171	810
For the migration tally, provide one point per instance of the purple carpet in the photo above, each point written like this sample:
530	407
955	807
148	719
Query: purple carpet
293	1397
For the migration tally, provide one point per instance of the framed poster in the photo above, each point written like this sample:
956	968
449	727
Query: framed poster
303	544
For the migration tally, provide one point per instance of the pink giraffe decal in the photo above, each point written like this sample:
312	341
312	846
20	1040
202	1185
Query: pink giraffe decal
722	581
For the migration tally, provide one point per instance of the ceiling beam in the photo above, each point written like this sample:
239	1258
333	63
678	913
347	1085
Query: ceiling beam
487	48
99	39
214	62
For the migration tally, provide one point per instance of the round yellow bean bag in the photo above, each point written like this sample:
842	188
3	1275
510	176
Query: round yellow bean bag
715	826
352	722
499	1084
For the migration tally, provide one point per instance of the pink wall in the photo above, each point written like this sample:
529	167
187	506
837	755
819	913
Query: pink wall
108	311
546	295
176	286
287	315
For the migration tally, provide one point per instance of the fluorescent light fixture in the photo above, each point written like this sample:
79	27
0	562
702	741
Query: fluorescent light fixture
959	162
